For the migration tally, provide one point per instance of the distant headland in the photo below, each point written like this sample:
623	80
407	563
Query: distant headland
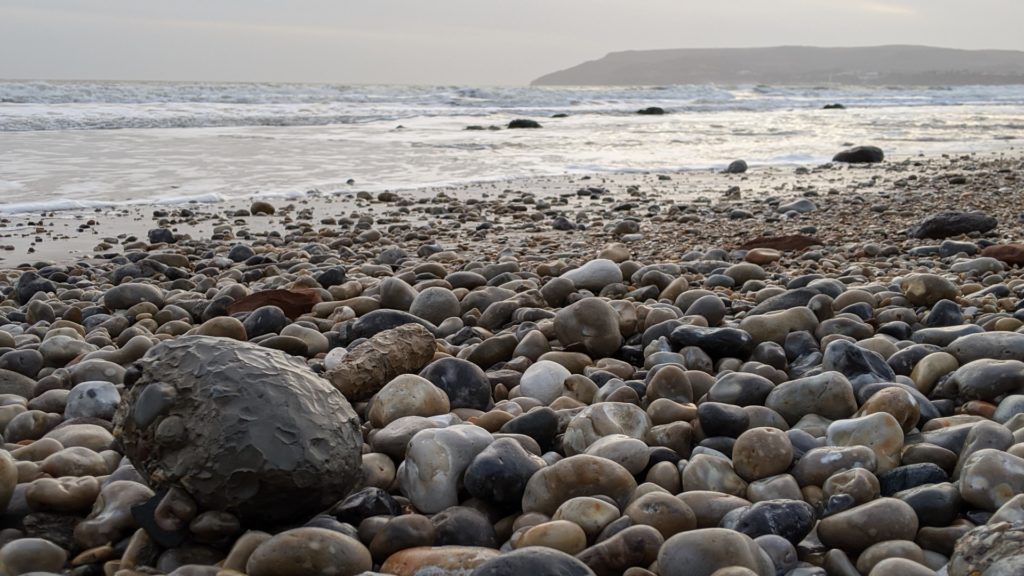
875	65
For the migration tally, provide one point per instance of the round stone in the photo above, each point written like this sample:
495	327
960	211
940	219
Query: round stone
435	462
761	452
223	327
877	521
703	552
591	325
591	514
663	512
303	551
465	383
604	419
560	535
576	476
500	472
533	560
92	400
32	555
406	395
127	295
434	304
594	275
240	428
543	381
879	431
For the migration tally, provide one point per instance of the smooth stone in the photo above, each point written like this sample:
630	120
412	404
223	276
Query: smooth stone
901	566
880	432
465	383
8	479
902	549
394	438
437	560
400	533
988	379
265	320
32	556
111	518
575	476
706	472
91	436
860	366
560	535
435	461
604	419
92	400
302	551
988	345
953	223
663	512
633	547
818	464
630	453
898	402
396	294
435	304
543	380
775	326
990	478
533	560
741	389
877	521
590	324
591	514
790	519
936	504
125	296
594	275
704	551
406	395
463	526
223	327
828	394
859	484
761	452
928	289
501	471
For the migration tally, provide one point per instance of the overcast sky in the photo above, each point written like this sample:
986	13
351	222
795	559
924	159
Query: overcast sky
448	41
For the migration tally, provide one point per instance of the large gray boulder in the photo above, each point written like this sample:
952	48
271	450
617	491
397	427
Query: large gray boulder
241	428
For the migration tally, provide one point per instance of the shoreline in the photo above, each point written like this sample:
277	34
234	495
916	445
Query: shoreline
65	235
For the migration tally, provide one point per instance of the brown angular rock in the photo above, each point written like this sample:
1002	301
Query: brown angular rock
1012	254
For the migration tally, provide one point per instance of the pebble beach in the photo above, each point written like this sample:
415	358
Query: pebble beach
803	370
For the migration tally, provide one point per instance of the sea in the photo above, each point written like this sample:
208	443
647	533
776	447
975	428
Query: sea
85	145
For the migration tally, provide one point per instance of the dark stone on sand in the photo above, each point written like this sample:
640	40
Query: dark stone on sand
944	313
860	155
948	224
523	123
26	362
464	382
785	301
331	277
160	236
736	167
835	106
235	426
651	111
241	253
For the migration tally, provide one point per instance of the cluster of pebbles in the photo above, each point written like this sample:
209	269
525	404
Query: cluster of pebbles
597	382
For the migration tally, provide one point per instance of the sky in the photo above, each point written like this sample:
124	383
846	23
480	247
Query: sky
477	42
